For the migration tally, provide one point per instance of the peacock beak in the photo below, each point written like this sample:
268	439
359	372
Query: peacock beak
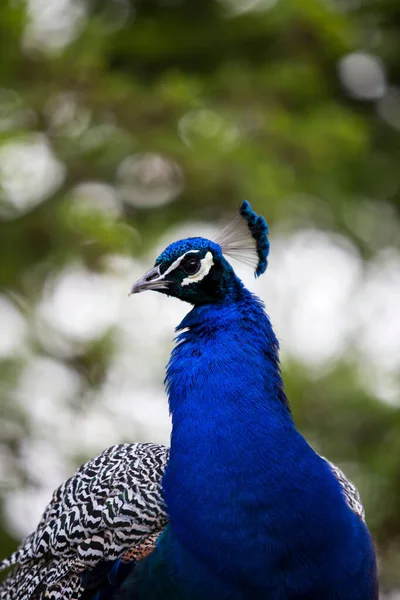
152	280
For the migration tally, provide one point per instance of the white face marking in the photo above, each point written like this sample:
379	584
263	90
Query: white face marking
176	263
206	264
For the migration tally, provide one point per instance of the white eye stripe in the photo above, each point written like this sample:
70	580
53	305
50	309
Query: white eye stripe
206	264
176	263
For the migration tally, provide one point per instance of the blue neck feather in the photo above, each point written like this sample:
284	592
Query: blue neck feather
233	342
241	479
254	512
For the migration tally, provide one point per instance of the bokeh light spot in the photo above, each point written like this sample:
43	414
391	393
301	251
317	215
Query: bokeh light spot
149	180
29	173
362	75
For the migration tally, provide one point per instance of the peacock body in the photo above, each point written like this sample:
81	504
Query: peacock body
240	507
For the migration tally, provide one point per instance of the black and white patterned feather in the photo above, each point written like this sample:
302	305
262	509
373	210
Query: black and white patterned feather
111	508
111	505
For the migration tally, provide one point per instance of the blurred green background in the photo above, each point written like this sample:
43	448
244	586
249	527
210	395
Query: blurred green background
126	124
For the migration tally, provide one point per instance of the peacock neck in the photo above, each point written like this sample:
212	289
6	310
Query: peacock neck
253	511
226	358
230	425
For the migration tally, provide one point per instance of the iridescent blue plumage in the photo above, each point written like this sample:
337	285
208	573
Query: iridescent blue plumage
253	512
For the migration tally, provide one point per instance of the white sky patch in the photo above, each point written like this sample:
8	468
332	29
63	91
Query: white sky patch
308	285
29	173
13	329
47	385
81	304
23	507
52	25
206	264
46	468
377	307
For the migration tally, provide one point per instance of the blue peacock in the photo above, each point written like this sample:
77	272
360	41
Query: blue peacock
240	507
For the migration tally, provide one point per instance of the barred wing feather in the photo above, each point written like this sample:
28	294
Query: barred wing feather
113	504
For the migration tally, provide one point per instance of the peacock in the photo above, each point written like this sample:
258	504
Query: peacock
240	507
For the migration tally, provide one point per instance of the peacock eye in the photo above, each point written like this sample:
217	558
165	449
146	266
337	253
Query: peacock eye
191	265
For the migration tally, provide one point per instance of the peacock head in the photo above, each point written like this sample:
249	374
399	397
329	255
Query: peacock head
195	269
